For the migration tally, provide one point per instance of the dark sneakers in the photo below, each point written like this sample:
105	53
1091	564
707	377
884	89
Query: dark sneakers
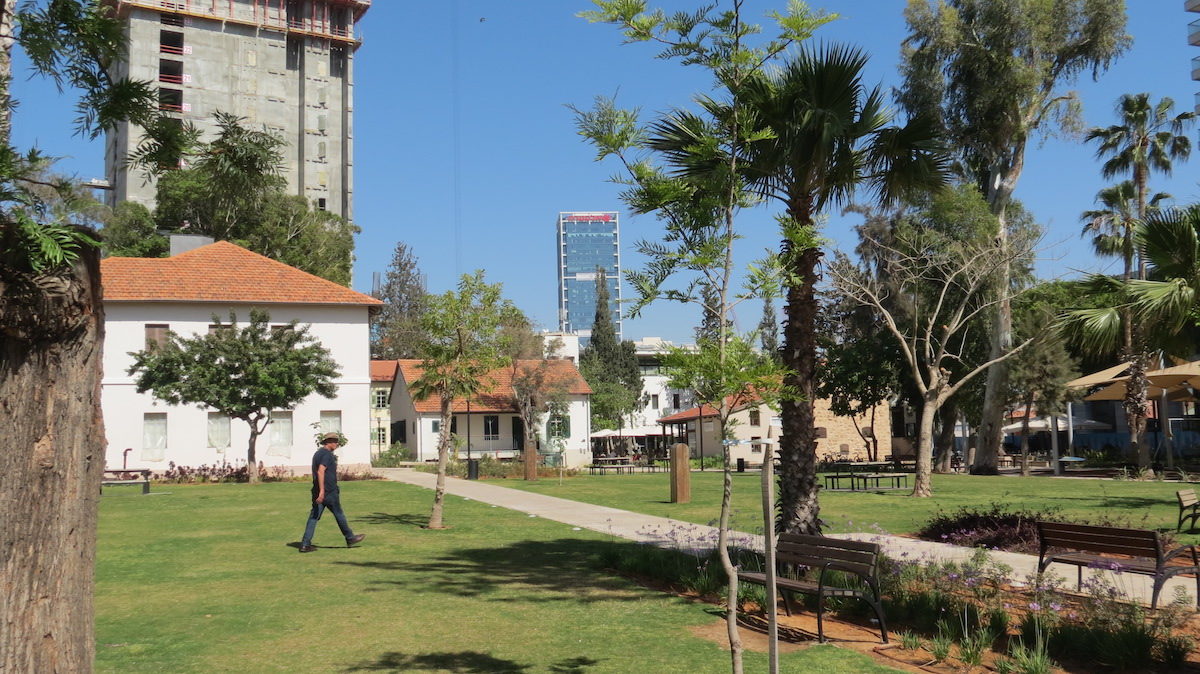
307	548
354	540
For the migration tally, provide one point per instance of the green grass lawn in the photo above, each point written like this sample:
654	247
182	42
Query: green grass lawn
1144	504
202	579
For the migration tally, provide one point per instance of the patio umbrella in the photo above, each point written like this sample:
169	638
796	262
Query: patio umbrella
1178	383
1101	377
1043	424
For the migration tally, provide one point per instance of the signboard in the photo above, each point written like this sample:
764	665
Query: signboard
589	217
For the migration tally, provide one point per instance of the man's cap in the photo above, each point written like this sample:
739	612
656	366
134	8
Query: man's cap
331	436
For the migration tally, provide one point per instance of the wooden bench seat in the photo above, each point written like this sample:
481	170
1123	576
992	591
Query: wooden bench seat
797	555
1140	551
879	478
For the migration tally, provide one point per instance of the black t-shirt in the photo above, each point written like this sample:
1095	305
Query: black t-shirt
324	457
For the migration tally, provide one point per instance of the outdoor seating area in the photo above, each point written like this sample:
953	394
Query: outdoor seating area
868	475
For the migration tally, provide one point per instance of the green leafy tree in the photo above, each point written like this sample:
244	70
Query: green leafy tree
768	328
942	282
609	366
818	135
1041	371
243	372
290	230
698	208
396	332
1147	139
131	232
464	343
992	73
858	372
538	389
1164	307
233	189
51	345
227	180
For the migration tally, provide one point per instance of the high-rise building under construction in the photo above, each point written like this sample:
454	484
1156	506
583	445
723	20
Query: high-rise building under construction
285	64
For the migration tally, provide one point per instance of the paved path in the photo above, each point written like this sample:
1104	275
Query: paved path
672	533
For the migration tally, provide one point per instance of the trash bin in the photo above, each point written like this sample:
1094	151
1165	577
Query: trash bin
741	465
472	469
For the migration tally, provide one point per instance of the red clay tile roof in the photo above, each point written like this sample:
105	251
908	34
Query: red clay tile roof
688	415
496	396
383	370
737	403
219	272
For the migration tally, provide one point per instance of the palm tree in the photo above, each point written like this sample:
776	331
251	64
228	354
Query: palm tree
1147	139
814	135
1111	229
1161	307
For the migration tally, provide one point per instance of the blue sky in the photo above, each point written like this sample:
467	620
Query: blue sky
520	162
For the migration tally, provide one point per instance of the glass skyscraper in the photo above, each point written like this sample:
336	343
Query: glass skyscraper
587	242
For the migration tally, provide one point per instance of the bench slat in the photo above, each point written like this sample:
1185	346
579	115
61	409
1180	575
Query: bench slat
849	556
826	542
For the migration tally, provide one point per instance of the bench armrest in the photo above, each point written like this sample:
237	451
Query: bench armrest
1178	552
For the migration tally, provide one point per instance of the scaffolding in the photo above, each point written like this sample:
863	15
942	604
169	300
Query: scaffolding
330	19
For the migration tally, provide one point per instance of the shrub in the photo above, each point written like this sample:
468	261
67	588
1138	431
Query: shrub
222	472
1000	526
490	467
393	456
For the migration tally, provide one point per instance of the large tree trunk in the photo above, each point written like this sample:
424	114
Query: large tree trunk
1135	409
947	421
1025	437
798	506
439	490
1003	181
252	453
530	450
51	337
922	482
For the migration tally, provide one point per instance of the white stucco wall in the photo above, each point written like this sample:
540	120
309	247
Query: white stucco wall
343	329
424	441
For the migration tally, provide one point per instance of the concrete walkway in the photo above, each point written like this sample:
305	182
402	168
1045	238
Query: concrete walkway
677	534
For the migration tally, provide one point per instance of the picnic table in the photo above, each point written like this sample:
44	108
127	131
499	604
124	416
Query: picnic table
617	464
863	474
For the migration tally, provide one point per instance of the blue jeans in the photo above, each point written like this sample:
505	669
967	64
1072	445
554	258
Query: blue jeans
333	503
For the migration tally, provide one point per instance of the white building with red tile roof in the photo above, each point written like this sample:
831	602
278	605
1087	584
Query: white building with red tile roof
488	423
146	297
382	374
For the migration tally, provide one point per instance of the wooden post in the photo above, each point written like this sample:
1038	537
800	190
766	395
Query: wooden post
772	601
681	474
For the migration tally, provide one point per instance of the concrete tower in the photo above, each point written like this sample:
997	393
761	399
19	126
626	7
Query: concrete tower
286	64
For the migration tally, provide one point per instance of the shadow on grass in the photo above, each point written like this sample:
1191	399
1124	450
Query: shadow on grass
405	519
466	662
541	571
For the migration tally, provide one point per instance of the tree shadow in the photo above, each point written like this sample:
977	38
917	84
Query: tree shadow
465	662
404	519
559	570
573	665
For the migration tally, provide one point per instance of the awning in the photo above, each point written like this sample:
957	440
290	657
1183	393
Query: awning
1044	424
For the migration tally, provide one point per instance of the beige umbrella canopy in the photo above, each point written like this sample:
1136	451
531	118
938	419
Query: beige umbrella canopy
1101	377
1179	383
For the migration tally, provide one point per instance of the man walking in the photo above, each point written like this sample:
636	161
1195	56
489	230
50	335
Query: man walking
325	493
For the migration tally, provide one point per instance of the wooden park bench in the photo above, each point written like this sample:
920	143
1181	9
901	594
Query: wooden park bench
116	478
1140	551
798	555
1189	507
